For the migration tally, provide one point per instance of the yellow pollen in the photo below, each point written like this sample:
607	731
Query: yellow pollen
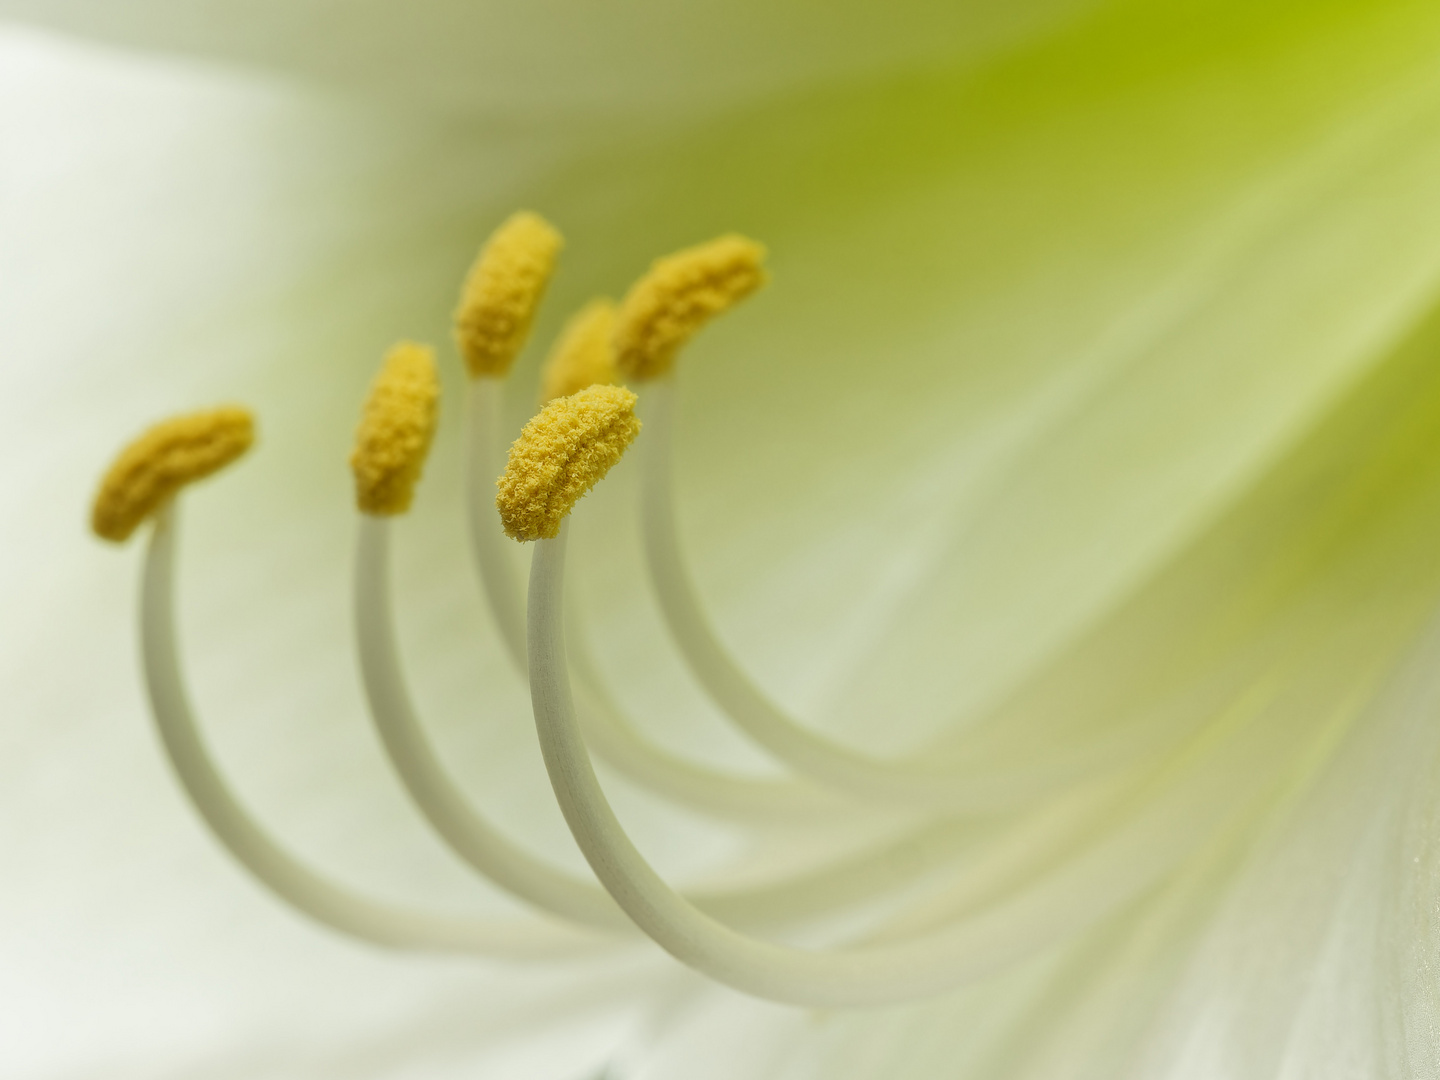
395	430
582	356
561	454
502	291
680	294
173	453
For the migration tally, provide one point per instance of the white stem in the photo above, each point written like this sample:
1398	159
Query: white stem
924	780
1072	898
429	784
491	551
846	881
616	739
318	897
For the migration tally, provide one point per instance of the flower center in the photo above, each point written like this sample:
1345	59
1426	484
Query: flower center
940	900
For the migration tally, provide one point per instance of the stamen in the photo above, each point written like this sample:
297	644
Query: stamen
390	451
679	295
620	742
560	455
502	291
583	355
395	430
1121	817
173	453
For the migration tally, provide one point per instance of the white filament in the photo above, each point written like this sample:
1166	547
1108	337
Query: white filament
848	880
491	552
1115	870
736	798
324	900
442	802
927	779
616	739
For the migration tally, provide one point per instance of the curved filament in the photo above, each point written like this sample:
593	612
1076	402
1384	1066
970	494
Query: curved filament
322	899
847	880
927	779
1111	873
619	742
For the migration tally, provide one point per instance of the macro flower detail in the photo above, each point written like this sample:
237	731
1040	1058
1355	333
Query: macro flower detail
583	354
1007	651
501	293
680	294
396	430
153	468
562	453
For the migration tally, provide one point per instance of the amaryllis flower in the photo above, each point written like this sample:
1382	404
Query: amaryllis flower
1033	584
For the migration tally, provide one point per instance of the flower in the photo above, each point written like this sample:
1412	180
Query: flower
1097	371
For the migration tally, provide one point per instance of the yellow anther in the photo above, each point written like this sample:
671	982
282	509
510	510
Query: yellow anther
582	356
502	291
395	430
561	454
677	296
173	453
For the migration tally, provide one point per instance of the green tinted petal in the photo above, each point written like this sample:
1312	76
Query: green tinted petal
550	59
